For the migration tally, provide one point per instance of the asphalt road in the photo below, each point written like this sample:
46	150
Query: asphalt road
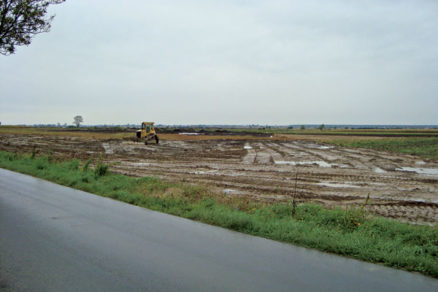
54	238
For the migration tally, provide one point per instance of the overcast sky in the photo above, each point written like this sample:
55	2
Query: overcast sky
228	62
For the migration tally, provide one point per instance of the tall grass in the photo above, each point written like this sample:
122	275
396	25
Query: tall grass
351	232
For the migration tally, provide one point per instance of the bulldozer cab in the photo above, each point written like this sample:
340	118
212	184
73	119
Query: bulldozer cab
148	127
147	132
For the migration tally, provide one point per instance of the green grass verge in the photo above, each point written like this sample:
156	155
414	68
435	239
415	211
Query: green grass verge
424	147
349	232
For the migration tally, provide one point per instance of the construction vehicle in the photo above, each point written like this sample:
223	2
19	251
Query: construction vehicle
147	132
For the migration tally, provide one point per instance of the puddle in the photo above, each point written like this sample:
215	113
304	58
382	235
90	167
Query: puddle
230	191
418	200
425	171
139	164
337	185
325	147
108	148
420	162
190	134
247	147
379	170
321	147
298	163
211	172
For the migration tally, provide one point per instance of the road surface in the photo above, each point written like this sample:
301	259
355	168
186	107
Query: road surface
54	238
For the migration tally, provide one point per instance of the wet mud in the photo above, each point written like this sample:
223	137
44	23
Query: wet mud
403	187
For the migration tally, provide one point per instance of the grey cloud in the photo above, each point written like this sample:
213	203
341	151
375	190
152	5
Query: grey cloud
240	62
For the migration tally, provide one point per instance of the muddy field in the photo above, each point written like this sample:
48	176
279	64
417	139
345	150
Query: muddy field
264	168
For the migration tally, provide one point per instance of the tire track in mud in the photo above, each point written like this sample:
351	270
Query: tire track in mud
405	209
370	178
262	155
250	156
268	181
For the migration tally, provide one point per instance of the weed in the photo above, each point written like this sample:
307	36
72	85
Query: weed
50	156
294	203
366	201
101	168
33	154
87	164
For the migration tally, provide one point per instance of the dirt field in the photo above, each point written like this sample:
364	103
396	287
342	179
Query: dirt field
264	168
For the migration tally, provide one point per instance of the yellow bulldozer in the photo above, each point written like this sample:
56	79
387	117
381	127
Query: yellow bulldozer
147	132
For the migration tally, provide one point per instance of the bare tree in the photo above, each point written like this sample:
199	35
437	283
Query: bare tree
78	120
20	20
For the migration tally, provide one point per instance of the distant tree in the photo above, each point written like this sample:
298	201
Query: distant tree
322	127
20	20
78	120
303	127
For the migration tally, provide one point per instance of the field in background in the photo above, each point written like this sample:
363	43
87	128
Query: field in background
267	167
421	142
